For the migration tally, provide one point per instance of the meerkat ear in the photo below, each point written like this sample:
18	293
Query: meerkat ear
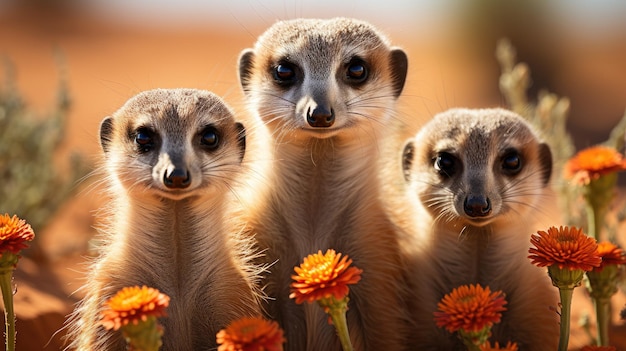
106	129
246	60
407	159
545	162
399	67
241	139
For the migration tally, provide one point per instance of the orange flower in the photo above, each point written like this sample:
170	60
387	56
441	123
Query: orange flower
564	247
132	305
14	232
322	276
593	162
488	347
610	254
598	348
251	334
470	308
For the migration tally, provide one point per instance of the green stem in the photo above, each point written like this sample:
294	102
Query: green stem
470	345
338	317
144	336
602	320
474	339
6	276
566	307
594	221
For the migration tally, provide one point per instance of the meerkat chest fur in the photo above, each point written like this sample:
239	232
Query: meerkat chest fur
177	236
322	187
326	89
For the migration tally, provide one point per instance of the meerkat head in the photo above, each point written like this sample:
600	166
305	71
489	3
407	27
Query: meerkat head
474	167
172	143
317	78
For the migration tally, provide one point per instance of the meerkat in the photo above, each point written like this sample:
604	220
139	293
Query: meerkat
325	90
475	188
171	160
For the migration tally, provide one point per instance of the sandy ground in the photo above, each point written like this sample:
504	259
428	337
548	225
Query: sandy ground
106	64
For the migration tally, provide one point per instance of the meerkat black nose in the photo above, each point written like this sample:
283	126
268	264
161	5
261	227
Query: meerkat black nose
176	178
320	117
477	206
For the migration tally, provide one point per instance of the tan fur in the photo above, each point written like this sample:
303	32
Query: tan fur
324	189
448	245
178	239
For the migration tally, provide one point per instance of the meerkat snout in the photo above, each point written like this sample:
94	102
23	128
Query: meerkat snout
171	171
316	110
320	116
477	205
176	178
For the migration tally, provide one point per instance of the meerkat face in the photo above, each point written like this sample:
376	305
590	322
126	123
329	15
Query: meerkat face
475	167
172	143
319	78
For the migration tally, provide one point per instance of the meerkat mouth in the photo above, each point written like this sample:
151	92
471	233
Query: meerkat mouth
322	133
479	222
177	194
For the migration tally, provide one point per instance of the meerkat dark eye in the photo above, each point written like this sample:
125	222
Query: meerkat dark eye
144	138
356	72
512	163
285	74
210	138
445	164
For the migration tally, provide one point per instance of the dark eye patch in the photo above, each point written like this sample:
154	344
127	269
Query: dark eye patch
285	73
357	71
512	162
446	164
144	138
210	138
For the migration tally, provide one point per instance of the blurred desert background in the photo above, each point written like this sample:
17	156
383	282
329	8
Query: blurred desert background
105	51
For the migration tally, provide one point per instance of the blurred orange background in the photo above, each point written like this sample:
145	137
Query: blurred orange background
113	49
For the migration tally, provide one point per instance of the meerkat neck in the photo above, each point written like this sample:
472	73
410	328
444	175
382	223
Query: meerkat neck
332	156
324	168
479	248
332	182
174	232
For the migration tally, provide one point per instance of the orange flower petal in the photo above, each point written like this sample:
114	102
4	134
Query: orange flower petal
14	232
251	334
323	275
132	305
592	163
610	254
470	308
566	247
